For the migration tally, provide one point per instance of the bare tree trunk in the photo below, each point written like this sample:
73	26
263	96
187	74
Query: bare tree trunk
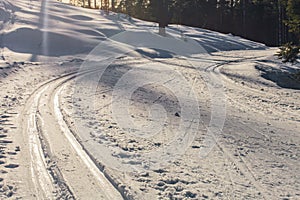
279	24
244	17
105	6
162	31
163	16
112	5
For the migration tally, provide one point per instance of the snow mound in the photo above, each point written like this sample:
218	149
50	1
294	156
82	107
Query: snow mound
27	40
164	44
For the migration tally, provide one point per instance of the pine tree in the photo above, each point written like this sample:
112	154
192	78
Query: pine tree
293	22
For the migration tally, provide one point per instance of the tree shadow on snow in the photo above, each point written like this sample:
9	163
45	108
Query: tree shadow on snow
27	40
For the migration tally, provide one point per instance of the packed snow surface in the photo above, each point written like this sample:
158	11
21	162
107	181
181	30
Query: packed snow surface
97	105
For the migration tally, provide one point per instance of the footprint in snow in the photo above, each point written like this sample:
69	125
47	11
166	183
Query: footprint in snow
11	166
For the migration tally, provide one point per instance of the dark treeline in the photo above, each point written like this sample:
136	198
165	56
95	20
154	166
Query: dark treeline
273	22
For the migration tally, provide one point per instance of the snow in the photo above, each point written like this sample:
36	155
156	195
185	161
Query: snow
68	33
194	114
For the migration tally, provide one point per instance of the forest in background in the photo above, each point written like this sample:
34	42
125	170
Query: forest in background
272	22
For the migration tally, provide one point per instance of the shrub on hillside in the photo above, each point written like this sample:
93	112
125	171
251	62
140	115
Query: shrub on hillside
288	53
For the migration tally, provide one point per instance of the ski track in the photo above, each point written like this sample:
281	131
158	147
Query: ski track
46	182
242	162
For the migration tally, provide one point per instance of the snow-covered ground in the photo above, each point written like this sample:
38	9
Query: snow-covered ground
97	106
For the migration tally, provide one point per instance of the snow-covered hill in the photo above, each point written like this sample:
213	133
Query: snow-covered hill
55	29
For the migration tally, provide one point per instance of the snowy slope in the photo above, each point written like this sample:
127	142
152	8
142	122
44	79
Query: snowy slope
55	29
